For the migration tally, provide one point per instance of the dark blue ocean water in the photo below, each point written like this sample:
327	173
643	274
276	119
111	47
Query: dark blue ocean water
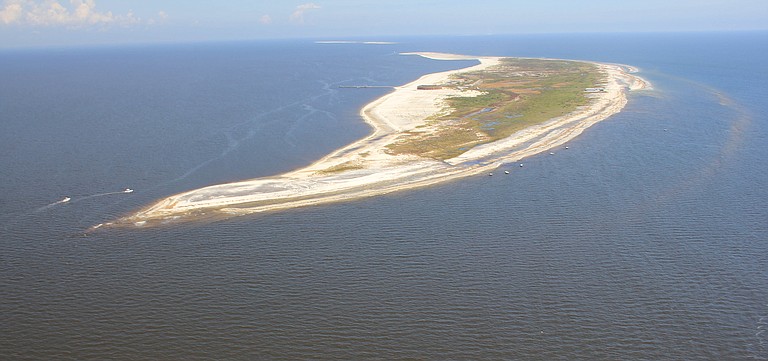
646	240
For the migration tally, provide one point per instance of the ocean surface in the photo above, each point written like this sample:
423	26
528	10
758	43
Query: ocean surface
646	240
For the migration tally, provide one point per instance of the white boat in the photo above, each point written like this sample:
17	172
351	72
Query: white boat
65	200
128	190
506	172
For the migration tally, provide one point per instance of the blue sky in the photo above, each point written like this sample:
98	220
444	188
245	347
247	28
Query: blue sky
78	22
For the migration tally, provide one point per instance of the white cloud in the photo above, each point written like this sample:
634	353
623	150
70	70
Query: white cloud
11	12
298	14
265	19
77	13
160	18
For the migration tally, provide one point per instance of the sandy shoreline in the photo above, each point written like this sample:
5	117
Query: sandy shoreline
364	169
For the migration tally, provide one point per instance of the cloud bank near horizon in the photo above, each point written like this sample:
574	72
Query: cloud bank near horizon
72	22
75	14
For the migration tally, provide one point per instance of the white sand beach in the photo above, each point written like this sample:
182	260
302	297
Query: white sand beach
364	168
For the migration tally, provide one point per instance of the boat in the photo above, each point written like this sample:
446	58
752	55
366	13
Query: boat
65	200
128	190
506	172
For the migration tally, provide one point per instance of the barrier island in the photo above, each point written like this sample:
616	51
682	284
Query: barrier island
440	127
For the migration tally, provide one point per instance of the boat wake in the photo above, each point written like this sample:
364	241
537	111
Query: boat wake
127	190
79	199
54	204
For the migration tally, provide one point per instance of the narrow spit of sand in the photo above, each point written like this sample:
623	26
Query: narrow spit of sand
364	169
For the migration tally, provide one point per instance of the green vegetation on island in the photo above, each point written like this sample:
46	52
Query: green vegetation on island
516	94
343	167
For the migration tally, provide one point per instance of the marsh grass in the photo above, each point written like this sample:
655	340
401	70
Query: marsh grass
517	94
351	165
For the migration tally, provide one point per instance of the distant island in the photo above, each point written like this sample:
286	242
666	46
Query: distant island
440	127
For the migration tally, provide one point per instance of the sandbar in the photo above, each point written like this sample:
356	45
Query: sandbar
366	168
